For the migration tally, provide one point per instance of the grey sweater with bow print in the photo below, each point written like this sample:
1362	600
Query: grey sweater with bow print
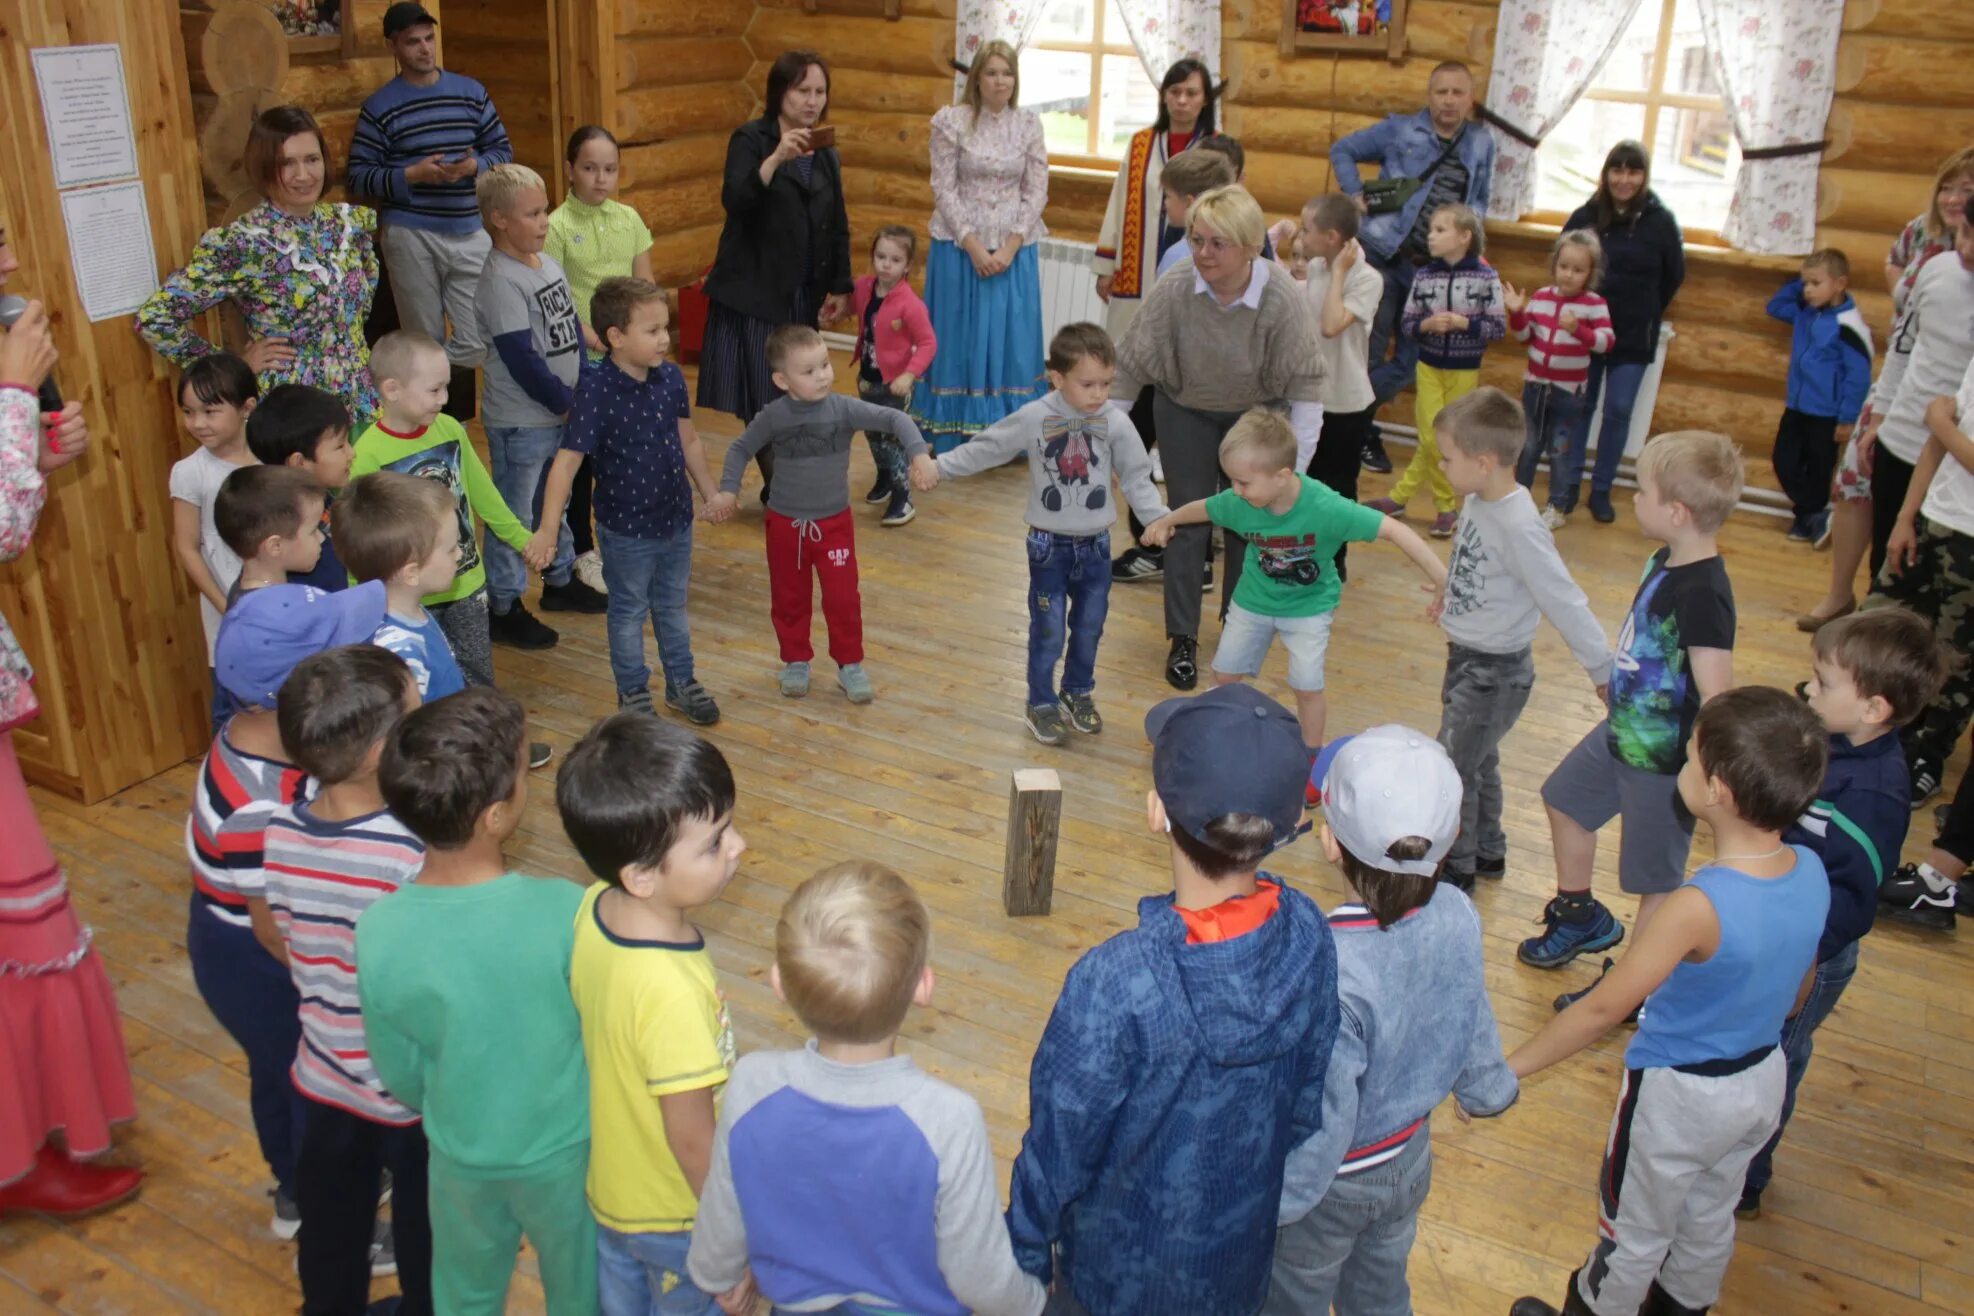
1071	459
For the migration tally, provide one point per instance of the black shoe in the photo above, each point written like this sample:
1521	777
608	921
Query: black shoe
539	753
881	491
1909	896
1374	457
1925	780
690	698
1182	663
574	596
1567	999
1462	881
1750	1205
1601	510
1135	564
519	628
1492	869
899	510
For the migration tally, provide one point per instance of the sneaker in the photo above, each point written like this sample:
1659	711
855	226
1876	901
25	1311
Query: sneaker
1750	1205
900	511
1798	532
1461	881
1567	999
881	491
794	680
589	570
539	753
690	698
574	596
1925	780
1374	457
1491	869
1311	797
520	629
1820	530
287	1220
1562	941
1135	564
636	701
1444	525
1601	510
1389	506
383	1253
1922	898
1045	723
1158	466
1555	517
855	683
1206	578
1182	663
1081	710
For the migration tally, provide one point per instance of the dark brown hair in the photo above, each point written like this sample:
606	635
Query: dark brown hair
1074	342
1770	749
616	299
899	234
452	760
1627	154
582	137
271	129
1222	144
1232	844
1888	652
628	787
1197	172
338	703
257	502
1390	896
1333	212
787	70
1178	73
384	522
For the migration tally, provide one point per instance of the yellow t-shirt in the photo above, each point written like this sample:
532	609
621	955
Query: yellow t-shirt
654	1024
594	243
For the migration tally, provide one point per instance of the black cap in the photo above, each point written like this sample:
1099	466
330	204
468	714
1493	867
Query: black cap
405	15
1230	750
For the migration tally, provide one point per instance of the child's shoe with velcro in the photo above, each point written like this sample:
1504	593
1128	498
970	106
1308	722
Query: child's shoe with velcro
1564	939
1081	710
855	683
1045	723
691	699
794	680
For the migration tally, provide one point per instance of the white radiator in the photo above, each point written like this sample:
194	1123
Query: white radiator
1069	285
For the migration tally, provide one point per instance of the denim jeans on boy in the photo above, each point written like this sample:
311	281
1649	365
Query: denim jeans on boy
1390	378
1552	420
520	459
1480	698
1617	386
1798	1043
644	1274
1068	595
647	578
1351	1250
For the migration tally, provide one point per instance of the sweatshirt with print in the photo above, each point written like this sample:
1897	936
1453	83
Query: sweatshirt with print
1071	459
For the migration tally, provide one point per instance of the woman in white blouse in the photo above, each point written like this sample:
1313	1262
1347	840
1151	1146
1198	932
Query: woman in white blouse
990	180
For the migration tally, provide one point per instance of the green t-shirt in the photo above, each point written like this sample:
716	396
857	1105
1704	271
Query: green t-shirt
1290	569
443	452
594	243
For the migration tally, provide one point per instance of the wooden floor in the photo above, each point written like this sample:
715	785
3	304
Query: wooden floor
1866	1213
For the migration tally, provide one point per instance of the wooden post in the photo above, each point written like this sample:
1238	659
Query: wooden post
1028	879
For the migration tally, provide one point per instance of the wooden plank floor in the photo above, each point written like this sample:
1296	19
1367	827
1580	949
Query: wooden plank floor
1866	1210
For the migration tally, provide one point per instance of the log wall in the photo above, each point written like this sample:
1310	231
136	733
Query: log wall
509	47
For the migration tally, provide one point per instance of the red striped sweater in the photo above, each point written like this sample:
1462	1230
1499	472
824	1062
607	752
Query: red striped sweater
1556	357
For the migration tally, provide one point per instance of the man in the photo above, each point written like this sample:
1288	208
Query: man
1453	159
421	141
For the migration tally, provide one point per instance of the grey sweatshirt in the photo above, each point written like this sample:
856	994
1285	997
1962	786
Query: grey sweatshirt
811	442
1506	575
1071	459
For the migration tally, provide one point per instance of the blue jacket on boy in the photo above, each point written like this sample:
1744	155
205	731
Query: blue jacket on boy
1857	826
1830	356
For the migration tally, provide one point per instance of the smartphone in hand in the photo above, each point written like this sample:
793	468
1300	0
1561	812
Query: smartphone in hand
822	135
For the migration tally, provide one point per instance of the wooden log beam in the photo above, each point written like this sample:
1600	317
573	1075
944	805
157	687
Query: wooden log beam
887	93
907	8
1905	17
1298	132
320	85
1028	874
644	61
1870	198
1904	70
223	124
660	164
1282	182
884	141
1434	30
888	187
1869	135
922	46
680	258
682	18
1257	76
683	204
234	46
651	114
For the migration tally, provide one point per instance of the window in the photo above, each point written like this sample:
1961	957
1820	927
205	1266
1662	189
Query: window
1658	88
1081	56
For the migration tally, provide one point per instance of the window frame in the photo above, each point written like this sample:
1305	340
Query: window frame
1097	47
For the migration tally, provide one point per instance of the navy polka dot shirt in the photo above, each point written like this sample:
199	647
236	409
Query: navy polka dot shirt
630	430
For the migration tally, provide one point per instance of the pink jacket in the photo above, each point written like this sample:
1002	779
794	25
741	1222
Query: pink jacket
905	340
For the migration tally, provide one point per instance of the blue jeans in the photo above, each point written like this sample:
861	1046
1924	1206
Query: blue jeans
1068	594
1352	1249
1619	397
632	1271
1552	419
1798	1044
647	578
521	456
1390	378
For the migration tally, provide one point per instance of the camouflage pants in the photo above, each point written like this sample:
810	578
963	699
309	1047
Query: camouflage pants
1939	586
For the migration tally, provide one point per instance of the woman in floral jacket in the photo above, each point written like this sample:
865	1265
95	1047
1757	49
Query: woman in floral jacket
300	269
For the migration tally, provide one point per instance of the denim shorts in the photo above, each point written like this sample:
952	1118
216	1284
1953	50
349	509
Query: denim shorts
1245	637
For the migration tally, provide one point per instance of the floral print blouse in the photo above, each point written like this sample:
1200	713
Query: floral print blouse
990	177
309	280
23	490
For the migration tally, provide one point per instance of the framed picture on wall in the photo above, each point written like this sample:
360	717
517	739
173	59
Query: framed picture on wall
315	26
1363	27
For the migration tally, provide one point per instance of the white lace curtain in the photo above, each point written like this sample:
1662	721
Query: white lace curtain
981	21
1162	31
1545	54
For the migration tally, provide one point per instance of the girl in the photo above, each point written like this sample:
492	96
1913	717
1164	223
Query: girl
215	398
594	237
895	344
1454	310
1563	324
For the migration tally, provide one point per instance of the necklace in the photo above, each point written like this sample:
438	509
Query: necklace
1749	858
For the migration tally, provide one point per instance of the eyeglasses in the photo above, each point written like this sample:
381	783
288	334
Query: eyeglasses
1215	246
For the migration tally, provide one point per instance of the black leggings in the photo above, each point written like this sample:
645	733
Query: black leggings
1957	836
581	533
1338	452
1890	478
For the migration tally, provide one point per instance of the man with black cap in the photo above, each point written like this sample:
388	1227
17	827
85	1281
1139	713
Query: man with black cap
422	139
1186	1056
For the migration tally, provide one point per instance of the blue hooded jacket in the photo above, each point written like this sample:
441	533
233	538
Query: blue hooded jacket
1829	355
1857	826
1168	1089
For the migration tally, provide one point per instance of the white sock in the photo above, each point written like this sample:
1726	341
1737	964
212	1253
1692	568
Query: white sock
1934	878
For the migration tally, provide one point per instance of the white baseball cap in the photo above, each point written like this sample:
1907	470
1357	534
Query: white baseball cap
1383	785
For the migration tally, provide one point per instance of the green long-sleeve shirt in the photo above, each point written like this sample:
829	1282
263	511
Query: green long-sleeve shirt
441	451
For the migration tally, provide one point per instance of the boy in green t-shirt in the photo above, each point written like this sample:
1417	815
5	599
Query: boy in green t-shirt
1288	583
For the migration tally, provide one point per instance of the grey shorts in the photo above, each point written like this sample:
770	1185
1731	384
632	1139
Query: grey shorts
1591	787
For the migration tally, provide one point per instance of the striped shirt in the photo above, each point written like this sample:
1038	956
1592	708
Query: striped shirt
320	876
402	124
1555	356
224	834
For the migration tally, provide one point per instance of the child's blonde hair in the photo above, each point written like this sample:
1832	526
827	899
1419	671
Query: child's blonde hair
851	947
499	185
1263	435
1699	469
1467	221
398	353
1587	239
1484	423
1232	213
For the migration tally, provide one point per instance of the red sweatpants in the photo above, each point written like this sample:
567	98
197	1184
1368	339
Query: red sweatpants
827	548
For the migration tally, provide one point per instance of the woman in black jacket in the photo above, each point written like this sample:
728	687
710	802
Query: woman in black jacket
1644	264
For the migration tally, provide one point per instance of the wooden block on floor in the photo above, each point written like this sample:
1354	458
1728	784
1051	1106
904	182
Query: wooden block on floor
1028	881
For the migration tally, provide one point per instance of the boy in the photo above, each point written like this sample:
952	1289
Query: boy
527	315
1186	1056
1675	652
1872	673
1344	289
847	1122
403	531
1829	375
1189	176
465	996
1415	1026
216	398
1505	577
632	417
649	807
271	517
326	860
309	429
809	527
1718	968
1288	584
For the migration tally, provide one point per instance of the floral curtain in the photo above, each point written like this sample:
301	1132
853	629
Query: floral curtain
981	21
1776	65
1545	54
1165	31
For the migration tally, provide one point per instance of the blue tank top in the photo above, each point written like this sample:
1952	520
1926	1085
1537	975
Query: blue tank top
1737	1000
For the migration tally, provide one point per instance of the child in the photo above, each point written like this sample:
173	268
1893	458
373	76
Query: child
1872	673
1288	585
326	860
271	519
1829	375
895	346
649	807
1198	172
1185	1058
1506	575
593	237
1074	443
808	520
465	996
1719	969
632	418
404	531
842	1171
215	397
1562	324
1454	310
527	315
1933	892
309	429
238	961
1674	653
1415	1026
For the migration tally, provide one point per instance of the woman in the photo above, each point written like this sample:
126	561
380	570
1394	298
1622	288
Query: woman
1644	264
301	270
990	180
62	1066
1134	233
784	254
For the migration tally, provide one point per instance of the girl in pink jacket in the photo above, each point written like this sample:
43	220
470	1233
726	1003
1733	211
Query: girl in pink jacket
895	344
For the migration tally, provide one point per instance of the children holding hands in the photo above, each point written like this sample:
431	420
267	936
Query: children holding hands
1563	324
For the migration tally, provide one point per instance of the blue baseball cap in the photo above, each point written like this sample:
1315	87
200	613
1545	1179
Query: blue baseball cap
1383	785
269	630
1230	750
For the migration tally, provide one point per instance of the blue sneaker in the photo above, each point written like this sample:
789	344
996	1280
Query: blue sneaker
1562	942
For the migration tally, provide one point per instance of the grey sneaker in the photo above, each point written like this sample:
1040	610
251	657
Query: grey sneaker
855	683
1045	723
1082	712
287	1220
690	698
589	570
794	680
636	701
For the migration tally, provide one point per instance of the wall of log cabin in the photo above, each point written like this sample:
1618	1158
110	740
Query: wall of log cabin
507	45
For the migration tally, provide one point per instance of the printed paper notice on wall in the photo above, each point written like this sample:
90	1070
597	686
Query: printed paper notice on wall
86	107
110	246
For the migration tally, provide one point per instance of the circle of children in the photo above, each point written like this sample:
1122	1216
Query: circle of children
1229	1106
